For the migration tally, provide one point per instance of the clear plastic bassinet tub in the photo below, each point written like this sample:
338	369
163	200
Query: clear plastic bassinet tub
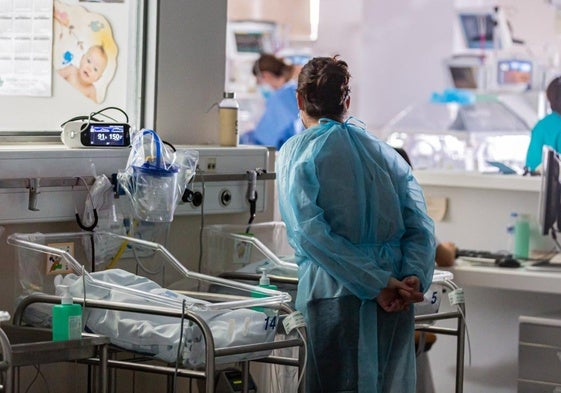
124	270
242	253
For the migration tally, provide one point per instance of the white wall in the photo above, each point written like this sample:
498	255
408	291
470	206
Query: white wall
403	53
340	33
395	49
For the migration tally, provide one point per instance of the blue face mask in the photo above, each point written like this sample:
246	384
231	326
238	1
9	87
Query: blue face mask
265	90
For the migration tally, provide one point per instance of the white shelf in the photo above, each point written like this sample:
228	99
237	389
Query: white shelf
19	164
478	180
517	279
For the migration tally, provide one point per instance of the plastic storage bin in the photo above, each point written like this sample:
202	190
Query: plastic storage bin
232	248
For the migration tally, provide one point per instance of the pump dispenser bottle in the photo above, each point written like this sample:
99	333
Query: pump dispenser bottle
67	318
264	282
228	114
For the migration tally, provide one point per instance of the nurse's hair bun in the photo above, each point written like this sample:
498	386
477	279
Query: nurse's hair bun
323	84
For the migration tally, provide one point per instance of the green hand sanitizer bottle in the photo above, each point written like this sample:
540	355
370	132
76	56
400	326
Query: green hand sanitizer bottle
67	318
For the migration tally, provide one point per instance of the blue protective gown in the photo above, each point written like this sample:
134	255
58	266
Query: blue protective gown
355	216
546	132
279	120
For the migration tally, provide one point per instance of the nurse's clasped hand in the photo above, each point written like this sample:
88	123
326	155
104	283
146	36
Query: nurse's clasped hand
398	295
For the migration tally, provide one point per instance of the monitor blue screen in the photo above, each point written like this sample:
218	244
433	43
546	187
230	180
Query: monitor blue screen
514	72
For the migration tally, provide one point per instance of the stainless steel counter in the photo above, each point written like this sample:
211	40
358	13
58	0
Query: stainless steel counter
22	346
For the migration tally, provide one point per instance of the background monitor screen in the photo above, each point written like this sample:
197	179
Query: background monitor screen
249	42
514	72
478	30
464	77
550	194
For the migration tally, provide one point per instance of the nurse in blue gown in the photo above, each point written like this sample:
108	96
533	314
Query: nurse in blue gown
356	218
280	119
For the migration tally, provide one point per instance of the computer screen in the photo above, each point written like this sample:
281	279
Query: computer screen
247	39
514	72
464	77
478	30
249	42
550	194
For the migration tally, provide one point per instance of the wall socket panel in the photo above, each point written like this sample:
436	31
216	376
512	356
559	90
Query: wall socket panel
227	196
57	203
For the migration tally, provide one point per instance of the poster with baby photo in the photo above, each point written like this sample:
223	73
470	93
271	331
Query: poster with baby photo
84	49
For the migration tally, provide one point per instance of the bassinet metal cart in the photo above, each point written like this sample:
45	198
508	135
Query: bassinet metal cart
200	346
265	247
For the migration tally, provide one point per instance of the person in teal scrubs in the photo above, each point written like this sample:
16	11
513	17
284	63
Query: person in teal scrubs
364	243
547	131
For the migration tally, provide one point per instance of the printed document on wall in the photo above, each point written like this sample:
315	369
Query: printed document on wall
26	36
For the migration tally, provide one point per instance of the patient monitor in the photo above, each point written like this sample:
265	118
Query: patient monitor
80	134
501	73
486	58
481	29
515	72
245	41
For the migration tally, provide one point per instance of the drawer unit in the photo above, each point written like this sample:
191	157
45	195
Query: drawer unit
538	387
535	333
539	354
537	362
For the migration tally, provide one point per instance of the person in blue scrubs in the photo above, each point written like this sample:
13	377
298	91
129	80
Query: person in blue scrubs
364	243
547	131
280	119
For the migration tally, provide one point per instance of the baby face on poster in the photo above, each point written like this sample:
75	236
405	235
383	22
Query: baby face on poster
84	50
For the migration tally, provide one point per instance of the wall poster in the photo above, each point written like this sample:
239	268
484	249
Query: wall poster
25	47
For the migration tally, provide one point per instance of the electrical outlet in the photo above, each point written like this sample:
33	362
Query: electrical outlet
211	164
55	264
